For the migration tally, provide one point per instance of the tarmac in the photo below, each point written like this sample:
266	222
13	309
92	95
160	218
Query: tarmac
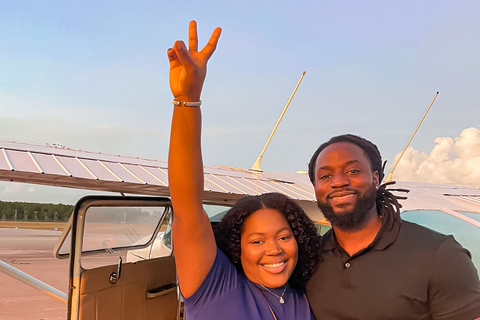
31	251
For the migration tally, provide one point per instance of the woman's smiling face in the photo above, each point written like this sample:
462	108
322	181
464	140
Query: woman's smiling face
269	251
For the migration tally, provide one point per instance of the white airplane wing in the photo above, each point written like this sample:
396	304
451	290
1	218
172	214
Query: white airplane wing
63	167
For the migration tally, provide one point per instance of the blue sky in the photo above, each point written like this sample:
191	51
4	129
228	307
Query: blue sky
93	75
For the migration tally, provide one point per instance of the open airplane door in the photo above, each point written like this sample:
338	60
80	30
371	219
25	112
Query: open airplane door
121	262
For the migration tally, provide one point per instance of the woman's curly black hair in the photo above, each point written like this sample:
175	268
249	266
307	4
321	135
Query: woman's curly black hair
229	231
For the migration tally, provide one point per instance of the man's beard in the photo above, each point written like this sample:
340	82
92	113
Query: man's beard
354	218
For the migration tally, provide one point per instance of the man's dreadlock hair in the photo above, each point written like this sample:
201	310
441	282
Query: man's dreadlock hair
387	203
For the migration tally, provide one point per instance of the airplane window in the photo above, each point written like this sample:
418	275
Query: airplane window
474	216
114	232
126	232
113	227
215	212
161	246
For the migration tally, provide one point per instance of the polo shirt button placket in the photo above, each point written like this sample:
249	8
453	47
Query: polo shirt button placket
345	282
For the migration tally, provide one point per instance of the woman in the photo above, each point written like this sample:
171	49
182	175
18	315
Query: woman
271	244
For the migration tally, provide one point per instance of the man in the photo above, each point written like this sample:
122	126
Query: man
374	265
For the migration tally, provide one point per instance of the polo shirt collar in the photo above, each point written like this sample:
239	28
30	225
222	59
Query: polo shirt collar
386	236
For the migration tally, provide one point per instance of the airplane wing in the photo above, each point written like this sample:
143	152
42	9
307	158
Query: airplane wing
430	196
457	201
64	167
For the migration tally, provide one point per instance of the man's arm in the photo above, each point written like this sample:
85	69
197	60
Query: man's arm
455	289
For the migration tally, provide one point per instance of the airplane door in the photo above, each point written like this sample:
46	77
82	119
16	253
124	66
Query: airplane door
121	262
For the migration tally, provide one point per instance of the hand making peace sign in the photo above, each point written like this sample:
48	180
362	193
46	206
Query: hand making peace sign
188	68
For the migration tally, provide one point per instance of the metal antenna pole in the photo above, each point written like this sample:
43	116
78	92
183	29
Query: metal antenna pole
389	176
256	165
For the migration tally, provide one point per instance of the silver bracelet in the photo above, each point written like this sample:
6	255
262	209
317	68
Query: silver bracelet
187	104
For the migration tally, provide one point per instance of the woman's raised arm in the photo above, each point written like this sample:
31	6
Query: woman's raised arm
193	240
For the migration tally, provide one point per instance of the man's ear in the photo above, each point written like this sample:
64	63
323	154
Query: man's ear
376	179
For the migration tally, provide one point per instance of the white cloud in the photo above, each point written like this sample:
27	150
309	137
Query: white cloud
450	161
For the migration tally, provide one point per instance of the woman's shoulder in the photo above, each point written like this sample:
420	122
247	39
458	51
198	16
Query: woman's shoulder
221	279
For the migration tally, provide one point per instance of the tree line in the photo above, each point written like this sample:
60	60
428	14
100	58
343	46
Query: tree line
29	211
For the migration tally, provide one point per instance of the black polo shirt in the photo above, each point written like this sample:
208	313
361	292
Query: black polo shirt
407	272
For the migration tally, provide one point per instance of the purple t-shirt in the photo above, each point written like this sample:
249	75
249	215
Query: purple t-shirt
226	294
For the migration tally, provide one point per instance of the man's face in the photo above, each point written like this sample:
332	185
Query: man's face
345	186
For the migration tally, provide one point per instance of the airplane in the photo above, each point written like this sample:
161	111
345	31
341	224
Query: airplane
119	247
